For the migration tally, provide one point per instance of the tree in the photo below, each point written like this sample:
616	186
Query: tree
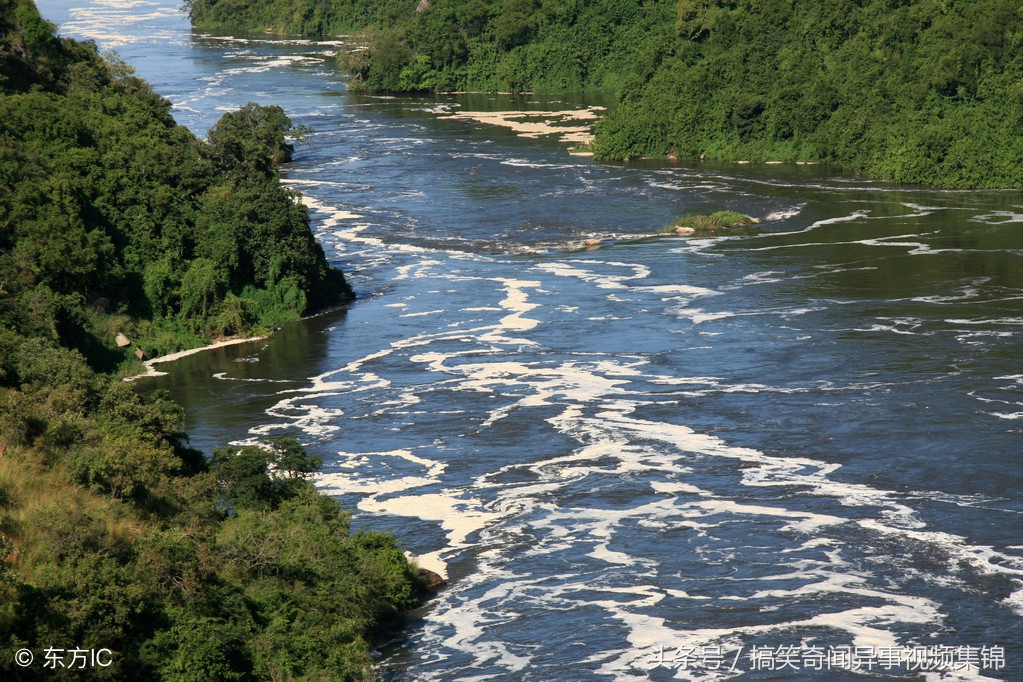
292	460
262	476
202	288
129	465
244	476
254	134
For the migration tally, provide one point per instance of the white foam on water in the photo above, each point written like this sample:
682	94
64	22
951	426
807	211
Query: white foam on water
517	301
852	217
333	216
361	479
303	414
698	316
681	186
597	409
964	293
458	515
523	163
263	64
1015	600
995	320
898	518
601	280
422	314
373	474
599	388
766	277
785	213
865	625
222	376
998	217
116	24
676	290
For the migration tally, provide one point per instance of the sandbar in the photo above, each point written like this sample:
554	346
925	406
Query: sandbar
554	122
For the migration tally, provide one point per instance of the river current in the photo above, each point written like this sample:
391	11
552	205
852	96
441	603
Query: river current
790	455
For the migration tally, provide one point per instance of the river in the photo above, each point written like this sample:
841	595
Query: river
790	455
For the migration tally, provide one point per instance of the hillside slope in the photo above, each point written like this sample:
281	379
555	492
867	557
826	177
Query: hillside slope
924	91
124	553
114	219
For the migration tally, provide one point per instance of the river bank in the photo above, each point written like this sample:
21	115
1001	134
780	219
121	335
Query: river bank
151	371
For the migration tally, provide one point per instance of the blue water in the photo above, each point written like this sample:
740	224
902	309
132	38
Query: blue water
745	457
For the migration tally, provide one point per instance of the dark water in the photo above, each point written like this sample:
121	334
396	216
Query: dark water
757	457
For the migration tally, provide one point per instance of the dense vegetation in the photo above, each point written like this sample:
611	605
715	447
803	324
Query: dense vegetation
115	219
912	91
915	91
114	534
479	45
511	45
294	17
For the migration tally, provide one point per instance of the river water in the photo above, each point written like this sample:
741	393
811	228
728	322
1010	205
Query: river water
796	454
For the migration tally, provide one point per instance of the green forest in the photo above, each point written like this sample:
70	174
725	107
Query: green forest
115	220
115	535
908	91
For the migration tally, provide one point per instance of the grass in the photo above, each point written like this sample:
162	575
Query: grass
715	223
40	507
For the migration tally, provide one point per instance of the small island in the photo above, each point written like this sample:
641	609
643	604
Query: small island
714	224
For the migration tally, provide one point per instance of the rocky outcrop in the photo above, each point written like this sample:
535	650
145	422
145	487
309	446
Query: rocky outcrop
430	583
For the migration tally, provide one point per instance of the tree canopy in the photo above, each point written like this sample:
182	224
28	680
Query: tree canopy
911	91
114	533
114	219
